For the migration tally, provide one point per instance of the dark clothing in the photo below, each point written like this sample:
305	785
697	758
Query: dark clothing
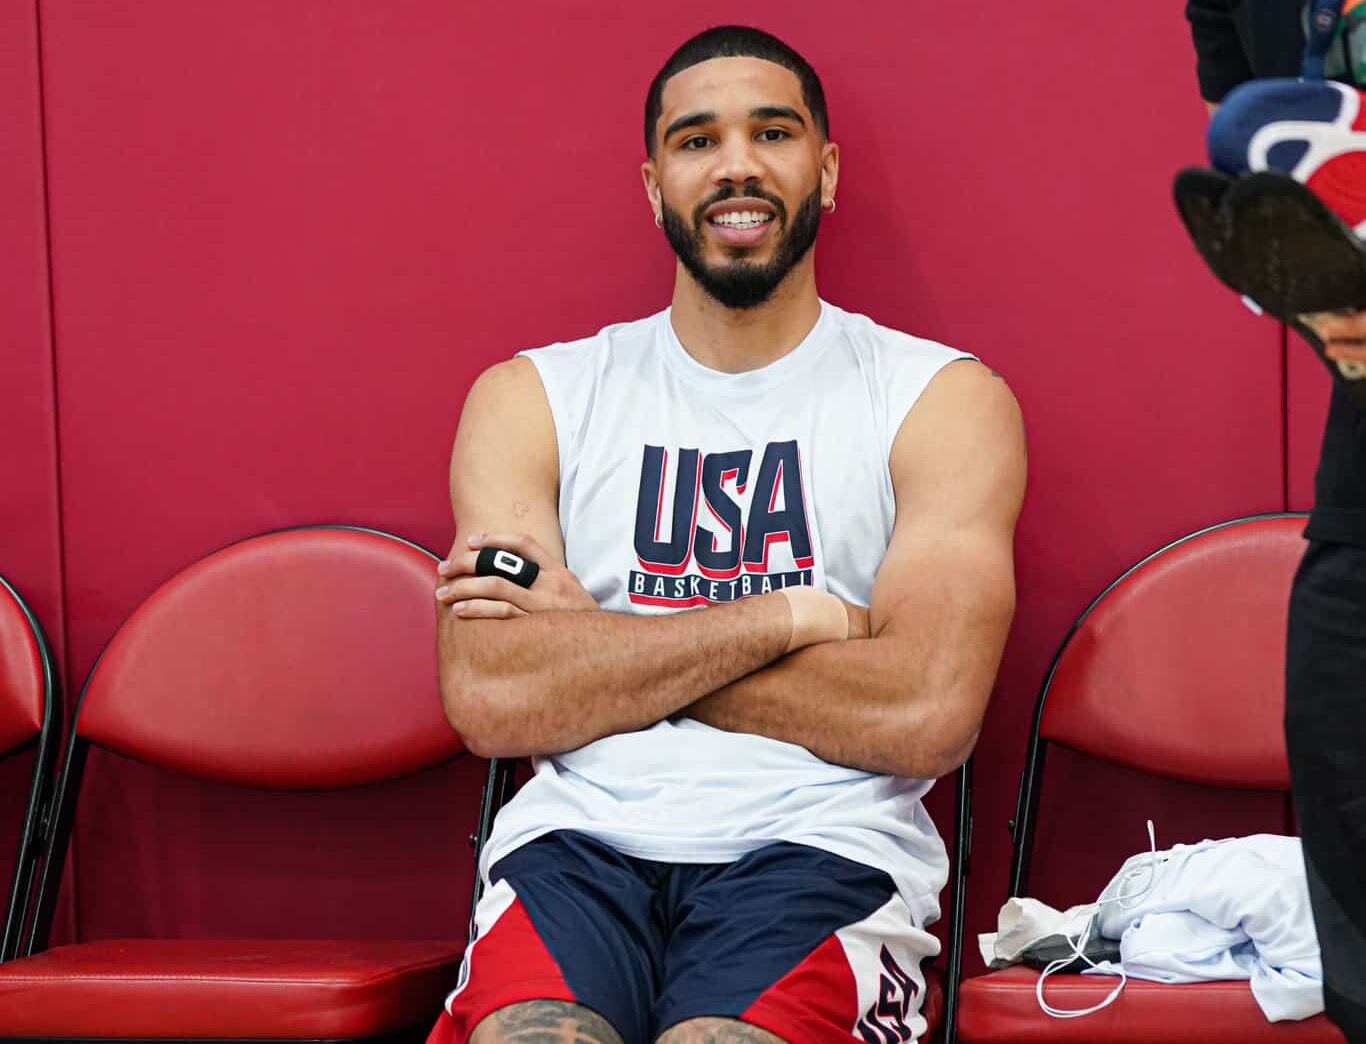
1237	40
1325	724
1340	487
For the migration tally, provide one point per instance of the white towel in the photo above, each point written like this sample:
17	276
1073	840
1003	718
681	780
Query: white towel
1023	922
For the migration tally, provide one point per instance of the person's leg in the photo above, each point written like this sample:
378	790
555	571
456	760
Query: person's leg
718	1031
1326	740
545	1022
568	946
790	945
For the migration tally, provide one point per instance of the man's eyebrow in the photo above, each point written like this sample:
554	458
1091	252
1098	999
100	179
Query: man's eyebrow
763	112
777	112
693	119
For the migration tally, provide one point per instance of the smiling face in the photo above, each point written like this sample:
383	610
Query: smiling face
739	176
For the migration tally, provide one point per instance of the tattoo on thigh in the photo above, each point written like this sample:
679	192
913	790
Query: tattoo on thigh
717	1031
545	1022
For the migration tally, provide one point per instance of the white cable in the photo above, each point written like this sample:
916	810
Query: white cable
1125	900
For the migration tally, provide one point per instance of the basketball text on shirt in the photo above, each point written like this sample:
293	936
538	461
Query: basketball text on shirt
715	540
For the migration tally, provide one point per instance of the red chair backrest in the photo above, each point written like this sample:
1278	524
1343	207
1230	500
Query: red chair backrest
23	684
303	659
1179	668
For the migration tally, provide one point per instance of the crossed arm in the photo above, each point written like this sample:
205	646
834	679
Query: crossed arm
899	688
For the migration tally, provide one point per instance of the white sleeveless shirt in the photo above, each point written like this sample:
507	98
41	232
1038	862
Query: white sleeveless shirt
682	486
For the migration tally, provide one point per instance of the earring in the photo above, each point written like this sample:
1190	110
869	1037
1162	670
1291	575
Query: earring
829	207
659	221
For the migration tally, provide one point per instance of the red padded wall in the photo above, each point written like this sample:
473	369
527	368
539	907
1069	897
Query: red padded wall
29	549
287	237
1309	388
29	531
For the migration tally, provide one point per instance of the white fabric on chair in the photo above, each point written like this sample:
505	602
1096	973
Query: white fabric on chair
1231	909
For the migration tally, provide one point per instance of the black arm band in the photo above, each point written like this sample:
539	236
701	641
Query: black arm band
497	561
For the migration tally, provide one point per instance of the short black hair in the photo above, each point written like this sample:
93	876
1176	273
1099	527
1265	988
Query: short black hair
735	41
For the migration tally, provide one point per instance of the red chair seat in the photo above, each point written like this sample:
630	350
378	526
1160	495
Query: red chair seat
933	1007
1000	1007
226	988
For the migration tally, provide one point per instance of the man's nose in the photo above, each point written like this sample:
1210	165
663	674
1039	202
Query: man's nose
737	161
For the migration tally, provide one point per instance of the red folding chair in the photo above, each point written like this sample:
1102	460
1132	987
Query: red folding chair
30	718
1187	645
297	660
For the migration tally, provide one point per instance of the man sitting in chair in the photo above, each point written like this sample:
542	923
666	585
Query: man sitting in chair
724	838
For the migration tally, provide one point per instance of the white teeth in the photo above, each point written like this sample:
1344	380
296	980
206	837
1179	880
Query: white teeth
742	219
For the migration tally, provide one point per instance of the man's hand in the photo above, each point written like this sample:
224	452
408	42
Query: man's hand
474	597
1343	334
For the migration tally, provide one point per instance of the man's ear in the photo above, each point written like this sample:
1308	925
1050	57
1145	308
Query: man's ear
650	175
830	170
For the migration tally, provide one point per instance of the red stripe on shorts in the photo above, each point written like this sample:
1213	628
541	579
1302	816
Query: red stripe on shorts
816	1001
509	965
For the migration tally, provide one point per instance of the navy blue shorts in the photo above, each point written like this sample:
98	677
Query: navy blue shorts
798	941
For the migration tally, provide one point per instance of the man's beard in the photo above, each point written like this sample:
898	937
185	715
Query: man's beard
744	284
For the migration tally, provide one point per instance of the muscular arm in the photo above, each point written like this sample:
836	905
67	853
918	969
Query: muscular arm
909	700
553	681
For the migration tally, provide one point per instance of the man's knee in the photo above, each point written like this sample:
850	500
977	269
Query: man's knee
545	1022
717	1031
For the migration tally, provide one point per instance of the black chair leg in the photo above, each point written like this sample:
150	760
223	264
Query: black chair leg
961	867
498	791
